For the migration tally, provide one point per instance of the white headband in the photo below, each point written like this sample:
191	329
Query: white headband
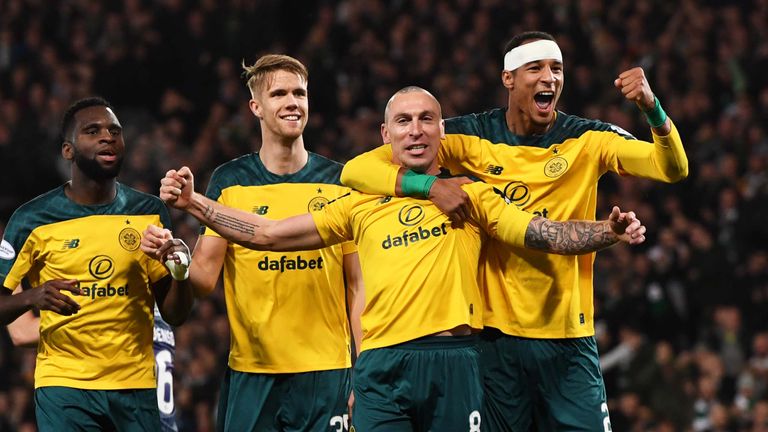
538	50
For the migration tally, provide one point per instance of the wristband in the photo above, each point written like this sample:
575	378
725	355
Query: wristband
656	116
416	185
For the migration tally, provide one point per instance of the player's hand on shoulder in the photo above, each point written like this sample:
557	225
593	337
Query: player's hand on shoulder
627	226
176	187
451	199
635	87
48	296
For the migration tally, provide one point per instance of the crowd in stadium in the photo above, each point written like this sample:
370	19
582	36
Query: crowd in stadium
681	321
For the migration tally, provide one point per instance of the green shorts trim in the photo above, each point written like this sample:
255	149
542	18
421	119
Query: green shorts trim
69	409
309	401
555	384
431	383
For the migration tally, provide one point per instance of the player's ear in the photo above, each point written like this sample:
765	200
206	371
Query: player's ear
255	107
67	150
508	79
442	129
385	134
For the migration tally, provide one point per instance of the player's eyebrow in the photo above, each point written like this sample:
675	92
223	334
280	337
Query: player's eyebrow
98	123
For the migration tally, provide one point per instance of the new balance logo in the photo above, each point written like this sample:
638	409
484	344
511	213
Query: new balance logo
70	244
494	169
261	210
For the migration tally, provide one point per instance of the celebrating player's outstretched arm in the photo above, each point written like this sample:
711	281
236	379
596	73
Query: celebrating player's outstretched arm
300	232
578	237
246	229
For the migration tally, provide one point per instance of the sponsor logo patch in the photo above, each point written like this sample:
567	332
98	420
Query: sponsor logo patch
6	250
101	267
517	193
418	234
93	291
411	215
621	131
286	263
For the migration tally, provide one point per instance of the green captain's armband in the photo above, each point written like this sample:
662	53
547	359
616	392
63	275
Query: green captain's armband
416	185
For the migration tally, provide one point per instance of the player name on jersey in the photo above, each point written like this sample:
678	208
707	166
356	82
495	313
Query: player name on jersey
285	263
407	238
164	335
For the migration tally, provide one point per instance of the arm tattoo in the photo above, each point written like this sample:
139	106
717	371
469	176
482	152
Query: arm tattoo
229	222
568	238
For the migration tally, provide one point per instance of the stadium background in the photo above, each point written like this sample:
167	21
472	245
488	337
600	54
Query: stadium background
682	321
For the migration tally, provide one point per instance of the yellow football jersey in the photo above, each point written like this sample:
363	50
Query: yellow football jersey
555	175
420	273
287	310
107	345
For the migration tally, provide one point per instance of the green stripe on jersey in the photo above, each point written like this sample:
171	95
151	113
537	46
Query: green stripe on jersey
248	170
491	126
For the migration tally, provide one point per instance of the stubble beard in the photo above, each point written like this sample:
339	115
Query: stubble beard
93	170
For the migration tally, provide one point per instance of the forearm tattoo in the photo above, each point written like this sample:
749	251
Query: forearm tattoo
208	212
573	237
219	220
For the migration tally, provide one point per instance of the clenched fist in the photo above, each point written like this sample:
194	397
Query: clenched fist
634	86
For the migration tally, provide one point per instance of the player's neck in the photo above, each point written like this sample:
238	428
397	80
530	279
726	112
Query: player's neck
86	191
520	123
432	169
283	158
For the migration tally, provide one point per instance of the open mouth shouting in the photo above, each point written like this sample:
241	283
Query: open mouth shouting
544	101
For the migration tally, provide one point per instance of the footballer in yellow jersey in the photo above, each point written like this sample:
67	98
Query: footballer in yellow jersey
548	163
420	276
550	176
107	344
266	291
76	249
290	350
420	273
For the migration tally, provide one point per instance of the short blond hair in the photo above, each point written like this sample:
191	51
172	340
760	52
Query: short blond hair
257	73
